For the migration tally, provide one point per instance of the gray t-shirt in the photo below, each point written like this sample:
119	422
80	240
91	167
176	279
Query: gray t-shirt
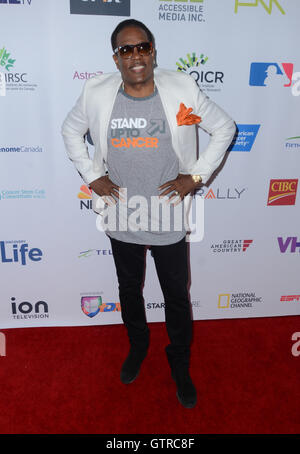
141	158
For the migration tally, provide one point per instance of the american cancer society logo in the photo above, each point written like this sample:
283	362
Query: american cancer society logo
100	7
244	137
271	74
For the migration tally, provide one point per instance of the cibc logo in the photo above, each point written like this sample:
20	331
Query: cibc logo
26	310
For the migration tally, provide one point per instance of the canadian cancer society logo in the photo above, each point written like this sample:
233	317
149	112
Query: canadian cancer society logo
244	137
282	192
100	7
181	10
199	67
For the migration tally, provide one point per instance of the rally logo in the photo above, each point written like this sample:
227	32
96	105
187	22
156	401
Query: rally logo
282	192
181	10
100	7
244	137
271	74
267	8
11	80
92	305
231	246
221	193
197	67
238	300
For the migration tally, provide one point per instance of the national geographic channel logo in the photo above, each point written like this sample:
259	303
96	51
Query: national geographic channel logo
238	300
100	7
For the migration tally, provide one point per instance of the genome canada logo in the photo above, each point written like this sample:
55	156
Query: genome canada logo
181	10
100	7
21	149
244	137
198	66
282	192
231	246
93	305
241	300
11	77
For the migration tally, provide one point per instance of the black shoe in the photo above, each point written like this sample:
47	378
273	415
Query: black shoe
131	366
186	391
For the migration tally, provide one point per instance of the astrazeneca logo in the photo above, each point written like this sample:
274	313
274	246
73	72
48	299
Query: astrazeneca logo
100	7
282	192
244	137
92	305
267	8
197	67
181	10
16	2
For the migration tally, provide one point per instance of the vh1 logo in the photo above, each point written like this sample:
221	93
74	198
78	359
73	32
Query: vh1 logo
282	192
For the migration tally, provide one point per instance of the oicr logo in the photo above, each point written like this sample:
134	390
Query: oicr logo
267	8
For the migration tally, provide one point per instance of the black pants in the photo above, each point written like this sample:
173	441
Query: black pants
172	269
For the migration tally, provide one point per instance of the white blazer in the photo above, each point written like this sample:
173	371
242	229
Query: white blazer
93	111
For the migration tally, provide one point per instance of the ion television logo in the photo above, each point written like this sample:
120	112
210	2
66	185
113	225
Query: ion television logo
100	7
26	310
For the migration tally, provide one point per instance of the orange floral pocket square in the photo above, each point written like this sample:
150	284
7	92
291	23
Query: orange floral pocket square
185	117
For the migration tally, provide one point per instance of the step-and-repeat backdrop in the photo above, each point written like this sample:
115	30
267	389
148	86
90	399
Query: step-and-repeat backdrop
56	265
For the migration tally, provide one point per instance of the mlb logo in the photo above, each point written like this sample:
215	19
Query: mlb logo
271	74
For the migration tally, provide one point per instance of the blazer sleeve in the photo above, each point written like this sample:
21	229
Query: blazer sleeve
221	128
74	128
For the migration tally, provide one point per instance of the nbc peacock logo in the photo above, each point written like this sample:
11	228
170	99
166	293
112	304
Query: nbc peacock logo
85	197
196	66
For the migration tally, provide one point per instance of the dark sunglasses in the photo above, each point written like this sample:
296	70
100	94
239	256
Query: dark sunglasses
126	51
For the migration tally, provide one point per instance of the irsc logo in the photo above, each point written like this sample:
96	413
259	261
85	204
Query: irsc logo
256	2
282	192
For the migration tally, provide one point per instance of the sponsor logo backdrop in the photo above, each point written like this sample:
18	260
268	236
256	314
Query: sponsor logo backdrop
56	265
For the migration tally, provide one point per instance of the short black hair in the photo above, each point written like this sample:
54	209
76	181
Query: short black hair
130	23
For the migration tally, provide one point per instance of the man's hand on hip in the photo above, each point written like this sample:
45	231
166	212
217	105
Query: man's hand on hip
179	187
104	187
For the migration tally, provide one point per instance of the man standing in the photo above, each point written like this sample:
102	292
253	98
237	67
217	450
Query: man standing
141	122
